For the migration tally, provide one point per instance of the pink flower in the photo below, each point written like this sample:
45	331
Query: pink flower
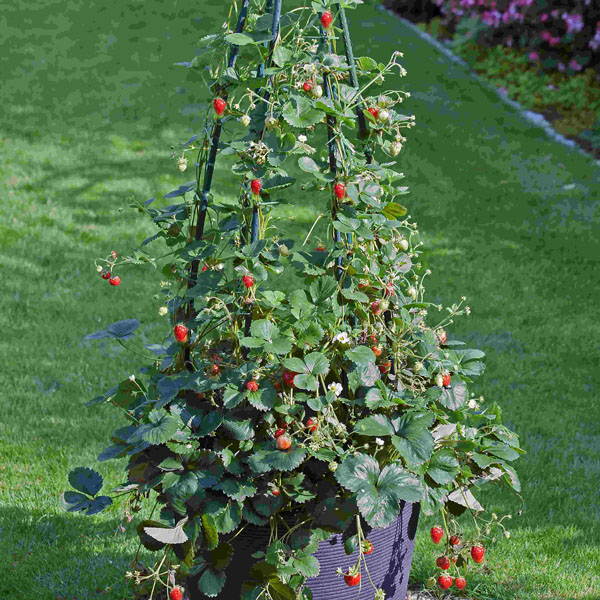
534	56
553	41
546	35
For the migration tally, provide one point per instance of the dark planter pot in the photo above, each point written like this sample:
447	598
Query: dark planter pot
389	564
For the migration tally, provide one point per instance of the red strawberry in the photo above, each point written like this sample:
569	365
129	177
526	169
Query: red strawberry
255	186
248	281
454	540
115	280
352	580
375	307
279	432
436	533
219	105
460	583
288	378
312	425
204	268
377	350
215	369
320	248
307	86
390	289
443	562
113	254
275	492
442	336
105	275
252	386
373	338
283	442
384	367
326	19
445	581
367	547
180	332
374	111
446	379
339	189
176	594
477	553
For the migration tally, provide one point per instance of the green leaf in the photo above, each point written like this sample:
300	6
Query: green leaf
394	211
294	364
308	165
75	501
252	342
212	582
443	466
306	382
147	541
266	458
277	182
316	363
307	565
361	355
356	471
228	518
238	489
264	330
238	39
232	396
211	535
413	439
239	429
85	480
454	397
323	289
279	345
264	398
298	112
282	55
159	430
375	425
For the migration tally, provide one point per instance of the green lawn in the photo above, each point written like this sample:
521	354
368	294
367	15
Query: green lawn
90	107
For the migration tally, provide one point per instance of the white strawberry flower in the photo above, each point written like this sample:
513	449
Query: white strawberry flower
473	405
162	311
302	138
99	269
342	338
336	388
379	442
132	378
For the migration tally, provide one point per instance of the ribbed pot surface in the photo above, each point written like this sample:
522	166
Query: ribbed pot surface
389	564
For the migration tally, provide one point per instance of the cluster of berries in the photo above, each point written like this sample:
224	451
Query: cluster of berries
446	581
107	273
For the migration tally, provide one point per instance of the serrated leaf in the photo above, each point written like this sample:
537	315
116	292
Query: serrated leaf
264	330
298	112
161	428
361	355
174	535
443	466
238	429
413	439
464	497
394	211
85	480
228	518
238	39
211	535
306	382
316	363
266	458
307	565
98	504
357	471
375	425
238	489
308	165
211	582
75	501
454	397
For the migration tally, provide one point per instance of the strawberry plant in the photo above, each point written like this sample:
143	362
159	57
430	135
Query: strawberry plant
309	411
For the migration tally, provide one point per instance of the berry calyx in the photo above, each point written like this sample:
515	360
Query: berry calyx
283	442
454	540
460	583
215	369
326	19
352	579
444	581
312	425
477	553
248	281
105	275
288	378
339	189
307	86
374	111
377	350
367	547
446	379
375	307
219	106
252	386
115	280
176	594
443	562
255	186
436	533
180	332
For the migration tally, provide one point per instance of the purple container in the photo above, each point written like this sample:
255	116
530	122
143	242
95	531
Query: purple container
389	564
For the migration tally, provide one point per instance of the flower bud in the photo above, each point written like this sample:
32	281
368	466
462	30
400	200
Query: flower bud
245	120
182	163
162	311
403	244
